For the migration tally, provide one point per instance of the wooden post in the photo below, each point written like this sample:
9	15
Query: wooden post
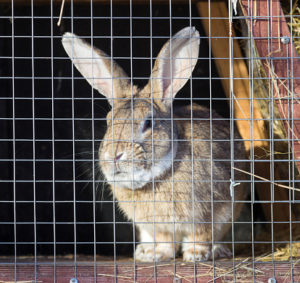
281	62
246	110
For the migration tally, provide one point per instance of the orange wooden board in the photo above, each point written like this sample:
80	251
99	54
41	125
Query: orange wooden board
280	61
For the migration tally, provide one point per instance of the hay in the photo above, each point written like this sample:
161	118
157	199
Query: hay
295	27
286	253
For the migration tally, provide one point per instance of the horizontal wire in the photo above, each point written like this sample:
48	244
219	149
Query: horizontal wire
126	242
153	17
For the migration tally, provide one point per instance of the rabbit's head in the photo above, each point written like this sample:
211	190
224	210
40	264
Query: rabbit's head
141	138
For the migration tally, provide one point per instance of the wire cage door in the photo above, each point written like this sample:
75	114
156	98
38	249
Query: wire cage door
149	141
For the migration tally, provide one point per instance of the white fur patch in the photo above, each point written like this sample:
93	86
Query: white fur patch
145	236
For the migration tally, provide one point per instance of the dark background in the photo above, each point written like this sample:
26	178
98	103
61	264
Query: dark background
55	155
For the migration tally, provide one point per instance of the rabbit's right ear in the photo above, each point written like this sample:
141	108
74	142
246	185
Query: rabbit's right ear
98	69
175	64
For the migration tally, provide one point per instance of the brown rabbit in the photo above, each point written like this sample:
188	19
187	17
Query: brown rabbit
168	168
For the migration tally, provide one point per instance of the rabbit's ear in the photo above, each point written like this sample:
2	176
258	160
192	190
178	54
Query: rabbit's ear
97	67
174	64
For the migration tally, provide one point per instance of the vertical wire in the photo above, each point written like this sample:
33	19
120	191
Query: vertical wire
172	134
292	56
33	142
291	144
252	148
132	125
289	117
291	148
14	136
113	139
53	146
211	138
232	98
73	149
269	21
271	130
252	155
172	127
192	145
93	147
152	139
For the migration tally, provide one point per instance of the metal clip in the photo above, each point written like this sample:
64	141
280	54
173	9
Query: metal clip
232	185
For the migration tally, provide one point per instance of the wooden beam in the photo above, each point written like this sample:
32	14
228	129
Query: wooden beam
246	110
124	269
280	61
105	2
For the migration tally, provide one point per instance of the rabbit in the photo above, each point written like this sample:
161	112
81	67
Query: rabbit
168	167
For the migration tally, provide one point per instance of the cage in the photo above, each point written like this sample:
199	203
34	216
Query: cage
64	220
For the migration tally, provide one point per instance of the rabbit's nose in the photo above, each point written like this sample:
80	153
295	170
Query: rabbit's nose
118	157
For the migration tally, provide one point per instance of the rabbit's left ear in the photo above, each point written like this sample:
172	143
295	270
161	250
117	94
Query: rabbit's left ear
98	68
175	64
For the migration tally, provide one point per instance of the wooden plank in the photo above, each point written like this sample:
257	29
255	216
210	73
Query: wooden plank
219	34
127	271
280	61
246	110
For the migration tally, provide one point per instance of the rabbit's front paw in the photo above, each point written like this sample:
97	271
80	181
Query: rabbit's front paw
147	253
204	252
197	253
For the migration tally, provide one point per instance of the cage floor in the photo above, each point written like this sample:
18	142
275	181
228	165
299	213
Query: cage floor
105	269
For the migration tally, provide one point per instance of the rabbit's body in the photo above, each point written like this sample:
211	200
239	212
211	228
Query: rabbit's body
179	201
169	172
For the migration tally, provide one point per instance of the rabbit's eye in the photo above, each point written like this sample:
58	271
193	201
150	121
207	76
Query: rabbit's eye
147	125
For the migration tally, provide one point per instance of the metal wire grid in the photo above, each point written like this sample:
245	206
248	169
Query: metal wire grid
33	161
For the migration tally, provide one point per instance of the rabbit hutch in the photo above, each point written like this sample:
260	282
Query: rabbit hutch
234	62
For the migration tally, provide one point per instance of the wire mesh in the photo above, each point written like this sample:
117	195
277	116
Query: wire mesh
65	217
